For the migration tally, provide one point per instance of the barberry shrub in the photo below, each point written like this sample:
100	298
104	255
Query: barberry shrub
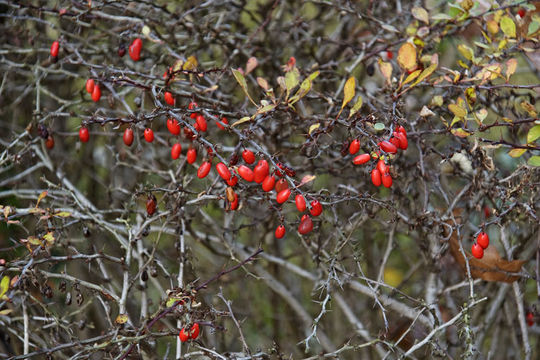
341	160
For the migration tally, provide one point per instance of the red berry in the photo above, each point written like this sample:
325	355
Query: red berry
233	180
194	332
148	135
135	49
191	155
173	126
49	143
169	98
381	166
389	55
223	171
477	251
192	105
268	183
530	318
283	196
388	147
483	240
487	211
204	169
96	93
201	122
280	232
306	225
183	336
354	146
403	143
223	120
54	48
261	171
386	179
246	173
248	156
175	151
84	135
151	205
376	177
401	129
234	204
361	159
281	185
90	85
316	208
300	203
128	136
121	50
394	141
521	13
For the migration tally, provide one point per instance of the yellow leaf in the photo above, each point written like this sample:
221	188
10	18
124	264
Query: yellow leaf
515	153
427	71
481	114
4	285
121	319
386	71
392	276
528	108
511	65
41	196
292	78
437	100
63	214
508	26
242	81
34	241
356	106
6	312
466	51
349	91
266	108
305	87
460	133
49	238
420	14
412	76
457	110
470	95
191	63
407	57
533	134
313	128
242	120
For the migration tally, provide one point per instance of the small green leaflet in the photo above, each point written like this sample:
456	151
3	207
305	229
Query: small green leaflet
242	81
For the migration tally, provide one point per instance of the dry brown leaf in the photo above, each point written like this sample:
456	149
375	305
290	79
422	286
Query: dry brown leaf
491	267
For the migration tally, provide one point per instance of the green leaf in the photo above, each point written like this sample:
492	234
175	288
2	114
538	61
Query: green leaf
292	78
534	160
356	106
533	27
305	87
515	153
266	108
63	214
349	91
533	134
4	285
508	26
457	110
242	81
441	16
466	51
242	120
427	71
378	126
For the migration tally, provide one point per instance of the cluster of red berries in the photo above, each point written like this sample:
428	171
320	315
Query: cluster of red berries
193	333
380	174
482	242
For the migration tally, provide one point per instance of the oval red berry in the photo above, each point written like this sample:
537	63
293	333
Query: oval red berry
354	146
128	136
169	98
194	332
90	85
201	123
261	171
268	183
54	48
176	151
376	177
204	169
283	196
223	171
84	135
173	126
233	180
248	156
191	155
246	173
388	147
306	225
477	251
280	232
483	240
300	203
224	121
361	159
96	93
386	180
135	49
316	208
281	185
183	335
148	135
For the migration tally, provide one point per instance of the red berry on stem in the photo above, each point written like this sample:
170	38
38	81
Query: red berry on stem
306	225
54	48
148	135
173	126
394	141
246	173
248	156
268	183
194	332
376	177
183	335
169	98
201	122
90	85
403	143
388	147
483	240
223	120
381	166
176	150
300	203
477	251
128	136
354	146
223	171
530	318
316	208
204	169
389	55
281	185
135	49
49	143
283	196
233	180
234	204
361	159
191	155
521	12
280	232
387	180
84	135
401	129
151	205
261	171
96	93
